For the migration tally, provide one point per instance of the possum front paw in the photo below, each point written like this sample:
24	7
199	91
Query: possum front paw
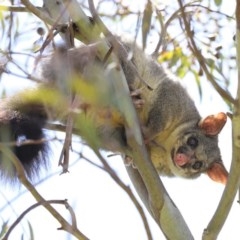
137	99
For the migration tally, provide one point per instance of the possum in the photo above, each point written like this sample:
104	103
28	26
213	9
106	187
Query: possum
179	141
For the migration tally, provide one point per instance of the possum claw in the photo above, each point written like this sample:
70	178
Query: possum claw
137	99
128	161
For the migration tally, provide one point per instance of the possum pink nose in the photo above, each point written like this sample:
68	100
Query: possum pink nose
181	159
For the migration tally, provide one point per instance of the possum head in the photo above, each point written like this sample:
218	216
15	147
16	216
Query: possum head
197	151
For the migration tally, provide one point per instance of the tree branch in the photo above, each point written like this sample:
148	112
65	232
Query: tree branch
215	225
158	201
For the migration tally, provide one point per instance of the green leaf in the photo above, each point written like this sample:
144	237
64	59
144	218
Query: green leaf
218	2
181	71
4	229
31	231
88	130
2	9
146	25
198	82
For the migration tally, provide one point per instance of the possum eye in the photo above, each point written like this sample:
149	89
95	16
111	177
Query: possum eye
197	165
192	142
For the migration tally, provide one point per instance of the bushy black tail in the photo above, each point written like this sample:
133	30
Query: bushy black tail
21	129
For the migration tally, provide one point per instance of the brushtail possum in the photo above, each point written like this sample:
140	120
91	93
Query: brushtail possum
179	141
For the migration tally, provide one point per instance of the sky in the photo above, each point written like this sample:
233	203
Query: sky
103	210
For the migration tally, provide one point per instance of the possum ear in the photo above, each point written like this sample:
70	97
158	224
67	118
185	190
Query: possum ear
218	173
213	124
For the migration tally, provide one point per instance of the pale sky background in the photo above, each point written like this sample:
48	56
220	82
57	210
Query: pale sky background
103	210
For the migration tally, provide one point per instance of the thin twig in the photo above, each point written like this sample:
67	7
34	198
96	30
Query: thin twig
26	142
117	46
19	194
224	93
39	13
128	190
23	214
23	179
64	156
8	8
211	10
